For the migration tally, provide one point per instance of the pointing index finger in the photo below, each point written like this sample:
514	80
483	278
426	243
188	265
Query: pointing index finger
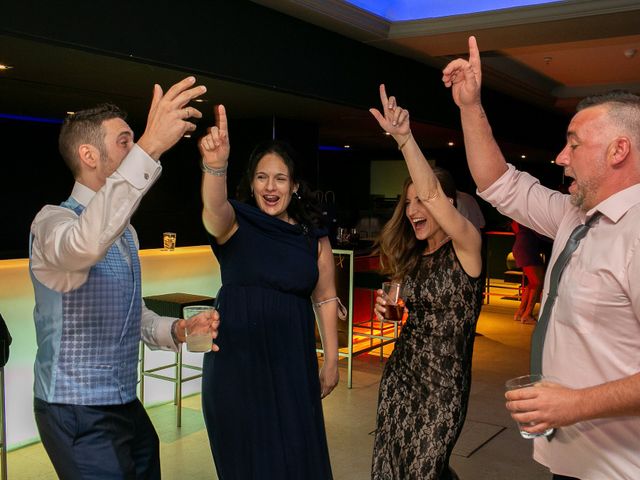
221	118
474	55
383	96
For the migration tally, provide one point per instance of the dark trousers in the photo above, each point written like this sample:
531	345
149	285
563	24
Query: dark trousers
99	442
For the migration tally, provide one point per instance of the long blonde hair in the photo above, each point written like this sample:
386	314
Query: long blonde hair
399	249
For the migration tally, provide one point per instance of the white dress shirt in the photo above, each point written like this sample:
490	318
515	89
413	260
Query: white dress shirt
65	246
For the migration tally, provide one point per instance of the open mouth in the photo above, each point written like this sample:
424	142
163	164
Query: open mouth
572	185
271	200
418	223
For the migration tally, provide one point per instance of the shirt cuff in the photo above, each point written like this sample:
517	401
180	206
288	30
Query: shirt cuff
488	193
163	334
139	169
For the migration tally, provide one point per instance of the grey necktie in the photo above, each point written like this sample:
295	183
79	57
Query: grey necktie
537	339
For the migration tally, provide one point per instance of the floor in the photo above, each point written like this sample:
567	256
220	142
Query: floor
490	447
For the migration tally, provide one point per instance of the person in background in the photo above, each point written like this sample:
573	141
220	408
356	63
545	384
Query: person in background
89	314
468	206
530	255
434	251
592	342
261	393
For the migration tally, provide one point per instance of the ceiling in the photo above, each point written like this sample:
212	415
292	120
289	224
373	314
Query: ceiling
550	55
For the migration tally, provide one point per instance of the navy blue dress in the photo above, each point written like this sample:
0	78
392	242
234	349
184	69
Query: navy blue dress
261	391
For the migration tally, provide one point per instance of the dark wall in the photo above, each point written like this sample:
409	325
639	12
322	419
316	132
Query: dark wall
241	41
37	175
32	175
245	42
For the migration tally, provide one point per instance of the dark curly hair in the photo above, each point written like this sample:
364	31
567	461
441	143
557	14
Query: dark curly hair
303	208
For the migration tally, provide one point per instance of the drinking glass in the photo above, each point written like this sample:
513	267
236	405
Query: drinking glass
199	337
533	380
169	241
391	293
342	236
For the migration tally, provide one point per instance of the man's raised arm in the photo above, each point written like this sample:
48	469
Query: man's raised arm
464	77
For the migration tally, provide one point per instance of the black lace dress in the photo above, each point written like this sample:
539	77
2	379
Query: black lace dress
425	386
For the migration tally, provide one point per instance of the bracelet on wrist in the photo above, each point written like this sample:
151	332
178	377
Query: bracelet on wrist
216	172
401	146
174	332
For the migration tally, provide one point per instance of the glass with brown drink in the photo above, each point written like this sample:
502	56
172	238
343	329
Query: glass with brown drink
394	310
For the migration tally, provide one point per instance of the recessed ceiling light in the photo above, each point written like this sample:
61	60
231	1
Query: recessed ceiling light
5	67
347	146
523	156
187	135
71	113
451	144
386	133
553	161
199	100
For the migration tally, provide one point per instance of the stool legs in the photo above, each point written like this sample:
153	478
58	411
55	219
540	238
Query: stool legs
178	394
178	379
141	372
3	442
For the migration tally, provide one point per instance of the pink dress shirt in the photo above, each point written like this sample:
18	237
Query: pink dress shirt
594	330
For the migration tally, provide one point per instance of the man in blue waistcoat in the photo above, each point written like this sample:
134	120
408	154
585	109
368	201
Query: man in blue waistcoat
89	313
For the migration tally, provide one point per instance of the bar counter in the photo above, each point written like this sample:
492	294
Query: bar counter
187	269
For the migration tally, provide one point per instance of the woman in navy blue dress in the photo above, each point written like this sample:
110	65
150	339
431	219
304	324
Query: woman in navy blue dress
261	392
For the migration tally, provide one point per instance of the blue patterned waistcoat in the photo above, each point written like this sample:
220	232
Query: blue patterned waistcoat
88	338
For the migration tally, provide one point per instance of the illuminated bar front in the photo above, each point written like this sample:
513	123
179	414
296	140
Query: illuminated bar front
187	269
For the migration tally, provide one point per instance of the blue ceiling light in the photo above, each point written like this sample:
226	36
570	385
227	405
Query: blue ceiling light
26	118
331	148
403	10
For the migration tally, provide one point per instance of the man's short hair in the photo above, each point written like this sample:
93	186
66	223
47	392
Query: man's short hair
85	126
623	110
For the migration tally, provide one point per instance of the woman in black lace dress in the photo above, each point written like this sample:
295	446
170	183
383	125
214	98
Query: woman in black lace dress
434	252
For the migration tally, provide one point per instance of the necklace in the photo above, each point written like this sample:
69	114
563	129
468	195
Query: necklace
437	246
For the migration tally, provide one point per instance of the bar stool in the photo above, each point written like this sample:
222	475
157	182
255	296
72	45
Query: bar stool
171	305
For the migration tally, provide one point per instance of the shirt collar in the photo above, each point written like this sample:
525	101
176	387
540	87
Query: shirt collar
618	204
82	194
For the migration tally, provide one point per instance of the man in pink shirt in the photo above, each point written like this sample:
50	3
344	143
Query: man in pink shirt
592	343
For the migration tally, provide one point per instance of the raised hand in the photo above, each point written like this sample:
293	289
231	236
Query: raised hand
169	116
395	120
214	146
465	77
